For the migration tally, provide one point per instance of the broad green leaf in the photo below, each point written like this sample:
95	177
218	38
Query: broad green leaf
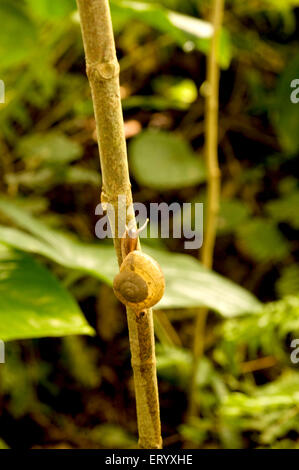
23	241
98	261
187	31
77	174
33	303
188	283
282	4
52	9
181	27
288	283
44	178
262	240
162	160
191	25
285	209
17	33
34	205
41	178
52	148
232	214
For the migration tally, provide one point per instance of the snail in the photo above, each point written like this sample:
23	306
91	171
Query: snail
140	282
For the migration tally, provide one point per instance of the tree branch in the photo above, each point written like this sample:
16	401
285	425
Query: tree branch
103	73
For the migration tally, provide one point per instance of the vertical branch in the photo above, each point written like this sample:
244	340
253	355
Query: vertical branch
213	187
211	131
103	73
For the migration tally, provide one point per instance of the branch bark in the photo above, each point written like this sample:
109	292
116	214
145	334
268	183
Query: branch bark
213	188
103	73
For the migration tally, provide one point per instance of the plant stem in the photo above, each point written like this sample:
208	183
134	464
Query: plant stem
213	188
103	73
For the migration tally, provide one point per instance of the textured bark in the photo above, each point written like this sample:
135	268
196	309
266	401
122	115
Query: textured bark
103	73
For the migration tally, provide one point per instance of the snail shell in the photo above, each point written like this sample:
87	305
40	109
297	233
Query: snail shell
140	283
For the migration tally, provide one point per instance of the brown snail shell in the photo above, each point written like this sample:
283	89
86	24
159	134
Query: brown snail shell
140	283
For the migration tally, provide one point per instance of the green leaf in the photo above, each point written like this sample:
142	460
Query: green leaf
261	240
288	283
17	33
188	283
180	27
187	31
52	148
174	365
185	91
179	91
280	394
153	102
285	209
282	4
112	436
269	410
81	175
267	331
232	214
162	160
47	9
33	303
98	261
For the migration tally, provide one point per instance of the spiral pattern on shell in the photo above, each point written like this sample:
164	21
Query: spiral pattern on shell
140	283
130	286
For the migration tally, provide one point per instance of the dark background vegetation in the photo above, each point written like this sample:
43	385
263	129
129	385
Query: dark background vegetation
77	391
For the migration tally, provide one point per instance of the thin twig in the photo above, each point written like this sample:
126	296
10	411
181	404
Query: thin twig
258	364
213	188
103	73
